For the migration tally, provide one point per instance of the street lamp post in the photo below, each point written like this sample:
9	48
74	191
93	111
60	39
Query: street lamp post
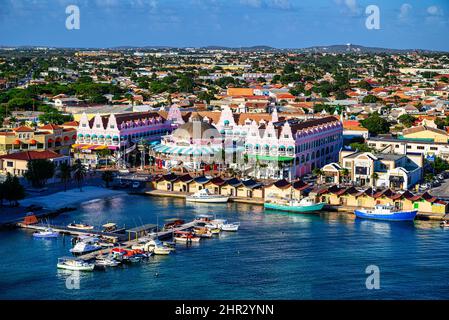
141	148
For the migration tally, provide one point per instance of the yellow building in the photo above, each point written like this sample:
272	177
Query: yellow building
352	197
284	190
425	133
49	137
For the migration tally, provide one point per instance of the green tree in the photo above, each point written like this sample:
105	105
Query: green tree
79	173
13	190
65	174
370	99
39	171
107	177
407	120
376	124
105	154
362	147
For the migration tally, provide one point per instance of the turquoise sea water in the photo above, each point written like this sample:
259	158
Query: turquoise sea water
273	256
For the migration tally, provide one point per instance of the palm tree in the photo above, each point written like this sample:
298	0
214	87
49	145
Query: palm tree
374	177
79	172
105	153
65	173
345	173
318	172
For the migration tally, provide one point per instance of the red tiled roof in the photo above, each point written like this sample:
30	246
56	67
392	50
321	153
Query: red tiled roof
23	129
50	126
32	155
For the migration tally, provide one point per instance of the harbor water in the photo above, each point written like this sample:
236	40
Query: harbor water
274	255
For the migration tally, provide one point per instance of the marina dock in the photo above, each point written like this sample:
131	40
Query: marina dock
126	240
128	244
73	232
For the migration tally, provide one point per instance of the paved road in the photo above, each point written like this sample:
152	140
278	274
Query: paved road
441	191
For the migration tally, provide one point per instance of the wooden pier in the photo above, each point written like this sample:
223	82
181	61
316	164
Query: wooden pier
128	244
74	232
123	239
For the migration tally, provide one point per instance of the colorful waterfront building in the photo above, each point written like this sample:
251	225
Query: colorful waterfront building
118	133
48	137
292	148
192	145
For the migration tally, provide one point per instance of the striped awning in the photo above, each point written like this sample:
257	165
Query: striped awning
195	151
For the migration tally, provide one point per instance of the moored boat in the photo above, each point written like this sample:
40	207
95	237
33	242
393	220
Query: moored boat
74	264
204	195
304	205
185	236
386	212
202	232
80	226
231	226
85	246
47	233
106	261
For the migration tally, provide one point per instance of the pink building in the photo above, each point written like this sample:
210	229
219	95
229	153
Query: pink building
293	148
118	133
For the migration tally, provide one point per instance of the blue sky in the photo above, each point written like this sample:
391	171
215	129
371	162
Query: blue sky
280	23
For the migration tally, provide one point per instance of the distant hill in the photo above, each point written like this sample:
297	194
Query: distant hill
252	48
341	48
358	48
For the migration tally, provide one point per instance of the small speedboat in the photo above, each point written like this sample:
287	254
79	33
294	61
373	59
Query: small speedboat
213	229
86	246
75	264
202	232
444	224
47	233
80	226
107	261
231	226
204	195
184	236
386	212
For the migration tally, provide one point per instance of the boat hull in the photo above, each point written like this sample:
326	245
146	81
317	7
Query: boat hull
43	236
300	209
208	200
397	216
74	268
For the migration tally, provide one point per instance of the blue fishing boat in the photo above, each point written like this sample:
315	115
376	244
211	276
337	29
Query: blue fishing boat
386	212
305	205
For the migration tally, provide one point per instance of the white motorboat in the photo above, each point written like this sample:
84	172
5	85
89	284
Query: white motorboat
75	264
106	262
47	233
231	226
204	195
158	248
80	226
86	246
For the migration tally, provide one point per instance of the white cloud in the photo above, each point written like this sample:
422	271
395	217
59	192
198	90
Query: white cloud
435	11
405	11
350	7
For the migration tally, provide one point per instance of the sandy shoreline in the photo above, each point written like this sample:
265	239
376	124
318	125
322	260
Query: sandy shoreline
70	197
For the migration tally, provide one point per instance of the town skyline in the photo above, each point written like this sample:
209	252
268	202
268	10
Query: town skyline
198	23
